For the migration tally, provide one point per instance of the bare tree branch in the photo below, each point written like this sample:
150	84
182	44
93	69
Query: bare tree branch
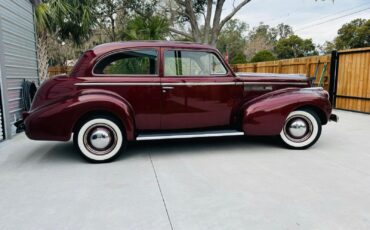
193	20
235	10
173	30
213	23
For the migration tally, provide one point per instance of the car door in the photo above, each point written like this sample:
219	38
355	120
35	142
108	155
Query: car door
134	75
198	90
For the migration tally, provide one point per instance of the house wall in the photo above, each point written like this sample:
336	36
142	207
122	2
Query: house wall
18	59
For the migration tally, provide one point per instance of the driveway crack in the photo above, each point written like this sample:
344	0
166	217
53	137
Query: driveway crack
160	190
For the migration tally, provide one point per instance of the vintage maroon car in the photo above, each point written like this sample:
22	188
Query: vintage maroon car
127	91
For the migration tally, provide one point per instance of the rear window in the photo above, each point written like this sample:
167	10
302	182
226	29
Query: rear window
130	62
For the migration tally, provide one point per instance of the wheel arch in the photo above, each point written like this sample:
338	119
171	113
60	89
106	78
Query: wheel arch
103	103
320	113
97	113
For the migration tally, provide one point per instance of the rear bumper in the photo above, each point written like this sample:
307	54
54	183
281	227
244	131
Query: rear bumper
334	117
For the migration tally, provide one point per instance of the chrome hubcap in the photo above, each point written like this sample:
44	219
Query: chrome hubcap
100	139
298	128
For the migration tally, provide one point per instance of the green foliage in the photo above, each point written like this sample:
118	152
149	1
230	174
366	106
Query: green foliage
130	66
232	39
237	58
263	55
355	34
199	7
283	31
294	46
42	17
264	37
110	14
146	28
67	19
264	31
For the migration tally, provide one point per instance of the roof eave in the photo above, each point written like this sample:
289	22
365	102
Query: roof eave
35	2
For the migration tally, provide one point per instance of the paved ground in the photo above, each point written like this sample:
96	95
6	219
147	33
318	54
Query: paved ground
219	183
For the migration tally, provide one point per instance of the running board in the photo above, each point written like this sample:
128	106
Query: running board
185	135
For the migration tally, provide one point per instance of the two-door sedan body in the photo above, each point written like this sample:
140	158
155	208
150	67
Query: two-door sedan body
127	91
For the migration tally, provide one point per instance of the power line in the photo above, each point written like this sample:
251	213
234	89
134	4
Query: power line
332	19
282	16
296	10
335	13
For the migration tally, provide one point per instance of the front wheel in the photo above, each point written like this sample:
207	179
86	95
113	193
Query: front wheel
302	129
100	139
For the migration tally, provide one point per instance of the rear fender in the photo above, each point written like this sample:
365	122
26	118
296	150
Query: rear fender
90	101
266	115
57	121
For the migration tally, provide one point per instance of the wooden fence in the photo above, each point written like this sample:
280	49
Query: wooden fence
306	65
350	75
352	88
55	70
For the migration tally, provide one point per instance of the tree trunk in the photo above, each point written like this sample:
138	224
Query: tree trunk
113	29
216	22
42	56
193	21
207	24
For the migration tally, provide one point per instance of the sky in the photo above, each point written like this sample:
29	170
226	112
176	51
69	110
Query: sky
303	15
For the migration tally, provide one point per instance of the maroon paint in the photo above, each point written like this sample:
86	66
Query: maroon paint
59	104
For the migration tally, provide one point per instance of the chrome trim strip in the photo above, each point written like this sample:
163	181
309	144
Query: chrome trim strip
197	83
186	136
271	83
184	83
313	88
117	84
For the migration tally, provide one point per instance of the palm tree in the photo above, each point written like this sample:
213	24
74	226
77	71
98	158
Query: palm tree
146	28
65	20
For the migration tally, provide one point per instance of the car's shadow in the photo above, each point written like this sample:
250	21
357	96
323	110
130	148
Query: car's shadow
198	145
62	152
67	152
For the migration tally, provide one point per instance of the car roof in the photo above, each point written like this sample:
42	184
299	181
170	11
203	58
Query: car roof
107	47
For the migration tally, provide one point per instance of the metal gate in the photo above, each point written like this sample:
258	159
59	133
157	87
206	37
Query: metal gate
350	80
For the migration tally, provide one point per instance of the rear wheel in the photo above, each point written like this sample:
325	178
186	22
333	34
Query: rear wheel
302	129
100	139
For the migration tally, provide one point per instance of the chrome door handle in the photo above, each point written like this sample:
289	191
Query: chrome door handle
167	87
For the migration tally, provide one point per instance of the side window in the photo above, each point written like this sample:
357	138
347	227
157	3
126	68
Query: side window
192	63
131	62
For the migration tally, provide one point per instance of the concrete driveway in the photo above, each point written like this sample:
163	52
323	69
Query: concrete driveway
218	183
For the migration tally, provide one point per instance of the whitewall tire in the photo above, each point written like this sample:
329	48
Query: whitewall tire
100	139
302	128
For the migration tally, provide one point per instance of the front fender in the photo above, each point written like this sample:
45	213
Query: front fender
266	115
56	121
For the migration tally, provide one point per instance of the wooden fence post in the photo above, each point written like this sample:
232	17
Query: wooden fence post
308	68
280	67
254	68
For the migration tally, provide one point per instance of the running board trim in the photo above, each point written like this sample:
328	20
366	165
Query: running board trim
165	136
